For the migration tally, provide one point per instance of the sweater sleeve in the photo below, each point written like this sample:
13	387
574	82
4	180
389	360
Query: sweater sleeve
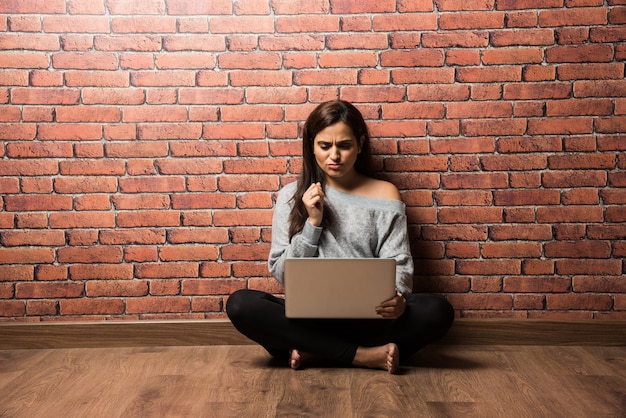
303	244
395	244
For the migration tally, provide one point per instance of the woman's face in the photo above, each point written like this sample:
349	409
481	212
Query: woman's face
336	149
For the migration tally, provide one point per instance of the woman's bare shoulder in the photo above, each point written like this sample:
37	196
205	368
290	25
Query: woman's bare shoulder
383	189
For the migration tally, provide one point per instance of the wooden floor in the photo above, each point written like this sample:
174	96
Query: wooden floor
241	381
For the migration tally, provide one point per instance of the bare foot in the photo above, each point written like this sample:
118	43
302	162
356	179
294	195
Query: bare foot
297	358
385	357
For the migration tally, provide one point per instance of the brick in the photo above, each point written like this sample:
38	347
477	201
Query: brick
486	284
578	249
203	149
91	306
260	78
556	126
167	270
463	198
600	88
241	24
454	232
211	287
185	61
470	215
39	150
416	164
248	217
101	272
530	91
188	253
21	273
422	75
485	301
184	7
573	17
294	24
147	218
12	308
82	220
489	74
216	269
116	288
574	178
444	128
348	7
520	232
414	58
193	24
143	24
538	73
579	301
474	20
367	94
590	71
479	110
522	37
582	161
488	267
513	162
580	53
75	24
35	238
70	131
26	255
363	41
45	96
537	267
211	96
48	290
203	201
462	57
291	7
23	24
474	181
92	202
438	93
537	284
598	284
133	236
462	145
606	34
570	214
606	232
125	7
580	197
32	42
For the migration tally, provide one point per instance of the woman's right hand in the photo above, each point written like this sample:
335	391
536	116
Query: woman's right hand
313	200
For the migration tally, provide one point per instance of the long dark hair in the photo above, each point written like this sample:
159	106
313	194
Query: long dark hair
323	116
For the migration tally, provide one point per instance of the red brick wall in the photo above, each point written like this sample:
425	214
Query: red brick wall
143	141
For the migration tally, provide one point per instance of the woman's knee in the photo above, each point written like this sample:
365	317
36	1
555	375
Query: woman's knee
446	313
435	309
236	305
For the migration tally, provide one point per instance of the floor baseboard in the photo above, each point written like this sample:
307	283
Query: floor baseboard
221	332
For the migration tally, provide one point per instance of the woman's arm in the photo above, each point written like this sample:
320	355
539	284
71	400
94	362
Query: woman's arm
303	244
395	244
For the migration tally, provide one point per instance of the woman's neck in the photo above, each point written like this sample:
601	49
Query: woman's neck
348	183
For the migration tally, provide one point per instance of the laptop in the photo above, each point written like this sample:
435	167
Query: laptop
337	287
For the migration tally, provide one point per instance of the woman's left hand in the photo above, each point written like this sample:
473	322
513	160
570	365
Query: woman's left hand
392	308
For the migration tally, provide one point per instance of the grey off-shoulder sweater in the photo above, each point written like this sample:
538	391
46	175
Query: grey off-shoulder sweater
362	227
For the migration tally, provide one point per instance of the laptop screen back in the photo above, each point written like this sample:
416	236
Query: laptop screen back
337	288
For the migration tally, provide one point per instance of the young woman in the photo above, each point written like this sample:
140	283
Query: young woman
338	209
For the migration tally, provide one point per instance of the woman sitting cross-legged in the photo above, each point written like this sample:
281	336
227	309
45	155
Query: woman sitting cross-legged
338	209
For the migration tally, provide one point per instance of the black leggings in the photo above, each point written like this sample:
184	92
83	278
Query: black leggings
261	317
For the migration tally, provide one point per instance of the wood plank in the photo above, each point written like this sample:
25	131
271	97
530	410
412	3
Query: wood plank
221	332
452	380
